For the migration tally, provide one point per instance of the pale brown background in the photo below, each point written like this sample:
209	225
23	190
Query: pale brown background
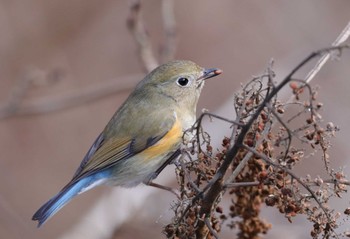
89	42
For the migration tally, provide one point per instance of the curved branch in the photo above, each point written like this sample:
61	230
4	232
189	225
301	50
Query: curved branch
137	28
68	99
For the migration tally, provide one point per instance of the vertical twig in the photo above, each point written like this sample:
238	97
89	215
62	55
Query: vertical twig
137	28
169	27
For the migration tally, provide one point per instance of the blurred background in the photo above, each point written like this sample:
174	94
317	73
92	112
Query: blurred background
66	48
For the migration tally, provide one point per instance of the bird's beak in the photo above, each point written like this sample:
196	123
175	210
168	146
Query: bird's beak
209	73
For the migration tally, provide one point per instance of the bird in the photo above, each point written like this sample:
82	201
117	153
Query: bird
143	136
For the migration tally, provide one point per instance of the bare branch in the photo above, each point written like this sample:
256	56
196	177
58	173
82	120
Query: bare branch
258	107
66	100
207	204
295	177
344	35
244	161
234	150
211	229
169	26
137	28
16	106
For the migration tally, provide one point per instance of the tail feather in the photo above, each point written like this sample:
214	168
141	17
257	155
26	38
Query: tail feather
65	195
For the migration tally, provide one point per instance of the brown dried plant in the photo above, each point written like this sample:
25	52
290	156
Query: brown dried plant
255	167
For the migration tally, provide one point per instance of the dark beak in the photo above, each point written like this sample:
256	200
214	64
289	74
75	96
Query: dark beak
209	73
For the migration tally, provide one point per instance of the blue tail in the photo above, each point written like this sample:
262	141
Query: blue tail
72	189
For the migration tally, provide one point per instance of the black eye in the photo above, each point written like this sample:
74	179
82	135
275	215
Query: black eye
182	81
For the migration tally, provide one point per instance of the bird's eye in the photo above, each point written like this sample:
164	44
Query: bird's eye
183	81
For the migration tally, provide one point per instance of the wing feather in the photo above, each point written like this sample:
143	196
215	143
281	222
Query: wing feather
105	153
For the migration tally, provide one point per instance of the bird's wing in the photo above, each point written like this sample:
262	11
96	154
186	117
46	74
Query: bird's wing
106	152
96	145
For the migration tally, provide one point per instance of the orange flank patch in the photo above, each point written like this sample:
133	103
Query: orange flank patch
166	144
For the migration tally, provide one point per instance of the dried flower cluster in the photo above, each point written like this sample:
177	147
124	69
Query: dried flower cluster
254	168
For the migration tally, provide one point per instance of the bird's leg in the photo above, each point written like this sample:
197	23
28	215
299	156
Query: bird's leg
169	189
149	182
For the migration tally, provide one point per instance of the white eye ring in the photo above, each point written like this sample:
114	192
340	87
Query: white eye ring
183	81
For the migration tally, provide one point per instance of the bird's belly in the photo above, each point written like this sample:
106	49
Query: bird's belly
137	169
143	166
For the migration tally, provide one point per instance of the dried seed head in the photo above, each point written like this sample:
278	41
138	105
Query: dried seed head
347	211
287	192
280	110
293	85
271	200
219	209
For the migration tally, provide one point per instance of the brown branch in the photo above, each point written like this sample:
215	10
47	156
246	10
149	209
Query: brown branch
215	186
68	99
211	229
136	26
206	207
169	27
32	77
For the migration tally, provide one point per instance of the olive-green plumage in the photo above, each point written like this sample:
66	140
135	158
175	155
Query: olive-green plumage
142	136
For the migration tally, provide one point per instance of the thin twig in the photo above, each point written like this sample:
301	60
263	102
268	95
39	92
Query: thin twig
211	229
241	184
330	181
270	162
246	158
198	125
256	183
234	150
187	174
215	185
344	35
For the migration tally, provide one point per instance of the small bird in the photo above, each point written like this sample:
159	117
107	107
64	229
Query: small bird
143	136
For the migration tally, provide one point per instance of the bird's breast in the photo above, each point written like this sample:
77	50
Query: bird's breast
169	142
